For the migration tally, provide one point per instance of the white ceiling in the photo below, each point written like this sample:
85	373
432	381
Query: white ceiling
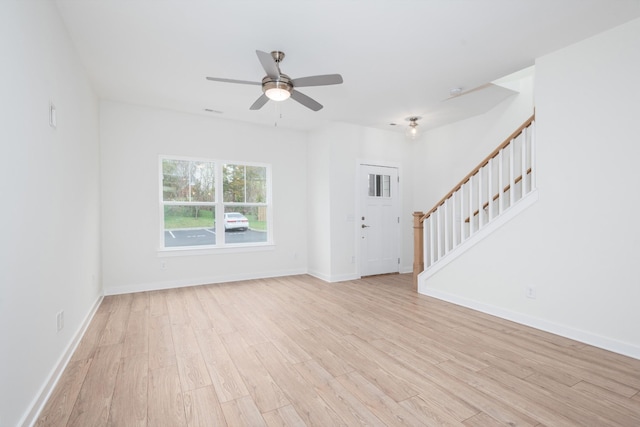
398	58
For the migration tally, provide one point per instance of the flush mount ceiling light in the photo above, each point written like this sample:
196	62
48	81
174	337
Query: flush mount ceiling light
412	132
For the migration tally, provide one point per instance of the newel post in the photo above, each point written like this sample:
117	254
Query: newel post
418	247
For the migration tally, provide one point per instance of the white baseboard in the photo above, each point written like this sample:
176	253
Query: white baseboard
333	279
586	337
45	392
182	283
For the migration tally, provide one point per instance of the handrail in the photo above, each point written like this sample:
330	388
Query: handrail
497	195
493	154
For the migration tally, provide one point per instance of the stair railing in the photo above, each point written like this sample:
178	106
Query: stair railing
502	179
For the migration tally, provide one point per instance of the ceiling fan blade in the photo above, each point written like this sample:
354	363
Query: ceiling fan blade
259	102
324	80
306	101
242	82
269	64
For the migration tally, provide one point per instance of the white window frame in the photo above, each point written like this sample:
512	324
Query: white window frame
219	206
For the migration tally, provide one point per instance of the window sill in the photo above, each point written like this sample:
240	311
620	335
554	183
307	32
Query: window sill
195	250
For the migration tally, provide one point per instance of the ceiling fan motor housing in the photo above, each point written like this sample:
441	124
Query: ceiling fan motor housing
282	82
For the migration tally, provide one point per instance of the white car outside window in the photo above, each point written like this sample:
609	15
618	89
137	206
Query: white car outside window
235	221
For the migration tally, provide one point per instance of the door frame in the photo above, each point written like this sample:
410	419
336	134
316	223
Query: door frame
359	210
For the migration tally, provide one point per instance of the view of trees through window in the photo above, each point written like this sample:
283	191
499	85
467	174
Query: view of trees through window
191	206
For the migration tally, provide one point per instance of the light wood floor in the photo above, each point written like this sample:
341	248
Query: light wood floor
297	351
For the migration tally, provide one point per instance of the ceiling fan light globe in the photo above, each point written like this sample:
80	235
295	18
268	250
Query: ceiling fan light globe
277	94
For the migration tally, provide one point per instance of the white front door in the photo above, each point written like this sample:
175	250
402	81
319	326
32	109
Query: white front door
379	220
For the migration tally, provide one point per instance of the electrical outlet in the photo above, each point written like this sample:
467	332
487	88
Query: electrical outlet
60	320
530	292
163	265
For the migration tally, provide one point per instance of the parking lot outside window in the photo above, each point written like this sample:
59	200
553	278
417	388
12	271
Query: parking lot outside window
208	203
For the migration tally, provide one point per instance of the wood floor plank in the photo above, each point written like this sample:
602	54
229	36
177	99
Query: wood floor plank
89	342
161	350
596	411
158	303
242	412
266	393
202	408
482	420
283	417
320	353
94	400
226	379
165	404
509	390
193	371
346	405
129	403
431	414
309	405
58	408
383	406
297	351
621	404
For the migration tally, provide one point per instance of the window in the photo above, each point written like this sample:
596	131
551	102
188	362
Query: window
379	185
200	198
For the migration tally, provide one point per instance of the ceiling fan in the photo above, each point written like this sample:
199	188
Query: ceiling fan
278	86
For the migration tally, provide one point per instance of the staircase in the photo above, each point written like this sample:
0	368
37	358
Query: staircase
496	190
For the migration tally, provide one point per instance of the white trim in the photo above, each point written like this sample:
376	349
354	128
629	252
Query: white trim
580	335
334	279
177	251
37	405
479	235
171	284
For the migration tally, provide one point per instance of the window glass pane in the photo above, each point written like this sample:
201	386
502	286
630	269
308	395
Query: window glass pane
233	180
256	181
201	182
175	180
189	225
379	185
386	186
187	181
245	224
372	185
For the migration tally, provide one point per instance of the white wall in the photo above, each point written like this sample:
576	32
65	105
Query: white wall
579	245
319	205
49	181
334	153
132	138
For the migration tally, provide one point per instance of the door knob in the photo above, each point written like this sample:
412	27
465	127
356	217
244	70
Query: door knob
365	226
